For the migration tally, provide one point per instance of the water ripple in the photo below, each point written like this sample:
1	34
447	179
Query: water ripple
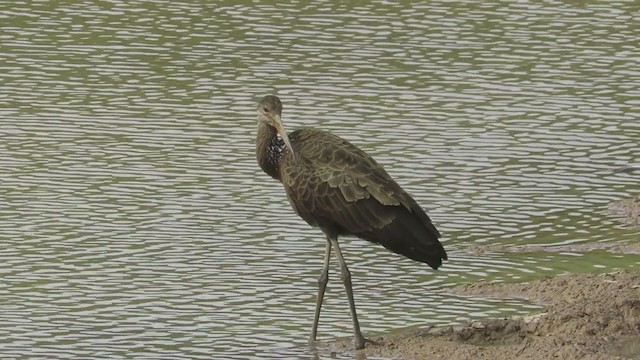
137	223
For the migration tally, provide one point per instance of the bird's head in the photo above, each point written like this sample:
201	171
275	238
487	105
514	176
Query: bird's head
270	113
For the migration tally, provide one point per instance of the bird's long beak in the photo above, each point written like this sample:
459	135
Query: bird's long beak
283	133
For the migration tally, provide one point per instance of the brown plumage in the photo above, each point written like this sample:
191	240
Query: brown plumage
334	185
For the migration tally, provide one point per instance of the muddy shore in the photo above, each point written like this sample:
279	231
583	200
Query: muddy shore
587	316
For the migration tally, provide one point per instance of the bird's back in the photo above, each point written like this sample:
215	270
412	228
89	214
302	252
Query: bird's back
334	185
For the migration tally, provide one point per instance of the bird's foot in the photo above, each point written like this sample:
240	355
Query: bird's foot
365	341
359	341
312	341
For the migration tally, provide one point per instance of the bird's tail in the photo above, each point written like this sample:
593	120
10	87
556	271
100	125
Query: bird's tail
411	234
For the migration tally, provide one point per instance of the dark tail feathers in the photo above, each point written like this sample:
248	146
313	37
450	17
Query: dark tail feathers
411	235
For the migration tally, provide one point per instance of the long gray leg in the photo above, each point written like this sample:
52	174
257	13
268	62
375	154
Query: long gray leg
322	285
345	276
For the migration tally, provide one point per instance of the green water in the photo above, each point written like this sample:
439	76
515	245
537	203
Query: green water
136	222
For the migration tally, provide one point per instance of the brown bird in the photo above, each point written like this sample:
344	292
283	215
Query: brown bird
337	187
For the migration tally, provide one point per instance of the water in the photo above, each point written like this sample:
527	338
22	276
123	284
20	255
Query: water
136	222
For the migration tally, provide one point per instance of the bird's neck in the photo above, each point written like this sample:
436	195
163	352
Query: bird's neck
269	150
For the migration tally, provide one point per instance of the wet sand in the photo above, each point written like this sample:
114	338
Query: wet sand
585	316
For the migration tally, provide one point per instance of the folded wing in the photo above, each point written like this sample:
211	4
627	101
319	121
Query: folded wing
336	186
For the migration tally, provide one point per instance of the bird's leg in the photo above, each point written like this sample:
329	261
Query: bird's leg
345	275
322	285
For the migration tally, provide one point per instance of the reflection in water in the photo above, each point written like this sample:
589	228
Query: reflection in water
136	221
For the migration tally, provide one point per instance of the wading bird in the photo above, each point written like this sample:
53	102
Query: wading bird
337	187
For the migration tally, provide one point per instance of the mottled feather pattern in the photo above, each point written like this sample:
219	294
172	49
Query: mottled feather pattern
338	187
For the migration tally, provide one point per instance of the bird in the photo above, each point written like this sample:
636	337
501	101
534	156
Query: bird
337	187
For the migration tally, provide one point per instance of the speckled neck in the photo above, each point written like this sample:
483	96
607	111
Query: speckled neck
269	150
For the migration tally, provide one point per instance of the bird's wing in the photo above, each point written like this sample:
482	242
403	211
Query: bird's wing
336	186
334	180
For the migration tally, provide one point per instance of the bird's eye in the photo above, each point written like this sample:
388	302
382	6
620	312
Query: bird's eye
265	109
